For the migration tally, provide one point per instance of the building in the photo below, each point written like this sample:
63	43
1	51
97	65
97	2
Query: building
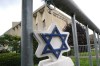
42	19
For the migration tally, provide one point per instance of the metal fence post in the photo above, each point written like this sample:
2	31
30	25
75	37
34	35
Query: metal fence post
99	46
75	41
96	50
89	46
27	29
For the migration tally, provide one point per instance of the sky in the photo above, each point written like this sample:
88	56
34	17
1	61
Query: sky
10	11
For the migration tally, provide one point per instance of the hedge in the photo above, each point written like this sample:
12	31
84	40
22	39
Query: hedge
36	60
10	59
13	59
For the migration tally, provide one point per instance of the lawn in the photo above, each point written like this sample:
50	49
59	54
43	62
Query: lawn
86	53
85	61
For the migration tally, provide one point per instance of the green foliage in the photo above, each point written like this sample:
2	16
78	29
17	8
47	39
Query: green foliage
81	35
4	51
9	40
10	59
36	65
13	41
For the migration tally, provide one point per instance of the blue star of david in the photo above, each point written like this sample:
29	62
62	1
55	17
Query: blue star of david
47	39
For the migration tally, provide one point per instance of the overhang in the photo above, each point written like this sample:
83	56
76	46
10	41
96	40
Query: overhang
70	8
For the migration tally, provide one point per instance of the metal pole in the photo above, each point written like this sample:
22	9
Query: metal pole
27	29
89	46
99	47
75	41
96	50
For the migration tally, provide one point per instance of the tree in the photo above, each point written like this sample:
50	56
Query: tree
9	40
80	34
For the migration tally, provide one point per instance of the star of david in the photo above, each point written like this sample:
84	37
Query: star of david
47	37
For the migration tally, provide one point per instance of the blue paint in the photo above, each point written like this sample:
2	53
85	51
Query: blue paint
47	39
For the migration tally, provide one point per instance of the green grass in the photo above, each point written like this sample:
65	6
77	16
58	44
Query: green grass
86	53
85	61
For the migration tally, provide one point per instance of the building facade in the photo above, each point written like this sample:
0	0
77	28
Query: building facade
43	17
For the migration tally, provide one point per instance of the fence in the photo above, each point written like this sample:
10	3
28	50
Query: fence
70	8
83	51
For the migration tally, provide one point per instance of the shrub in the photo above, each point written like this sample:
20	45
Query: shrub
9	59
13	59
37	60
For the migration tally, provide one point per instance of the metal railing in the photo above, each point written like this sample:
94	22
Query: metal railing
70	8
